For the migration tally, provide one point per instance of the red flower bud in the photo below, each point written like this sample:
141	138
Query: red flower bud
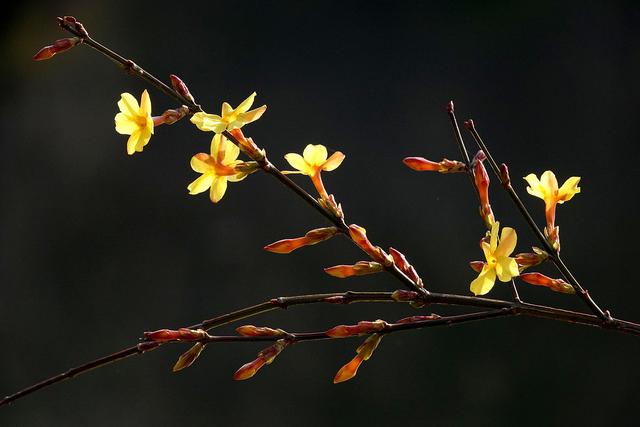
402	295
359	236
57	47
180	87
361	268
182	334
539	279
401	262
444	166
187	359
362	328
286	246
255	331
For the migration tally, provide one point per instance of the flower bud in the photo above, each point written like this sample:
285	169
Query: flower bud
402	295
361	268
539	279
265	357
359	236
414	319
401	262
182	334
187	359
444	166
180	87
528	259
57	47
255	331
362	328
247	145
317	235
365	351
481	179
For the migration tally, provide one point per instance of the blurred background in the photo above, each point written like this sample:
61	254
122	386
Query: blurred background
97	246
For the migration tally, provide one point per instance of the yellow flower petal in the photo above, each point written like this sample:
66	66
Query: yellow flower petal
128	105
199	163
231	152
236	178
569	189
534	188
252	116
124	124
484	282
506	268
145	136
218	188
227	110
208	122
145	104
246	104
333	162
297	162
132	142
201	184
315	155
215	145
494	236
508	241
549	183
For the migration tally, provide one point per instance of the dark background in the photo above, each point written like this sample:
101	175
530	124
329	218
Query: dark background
97	246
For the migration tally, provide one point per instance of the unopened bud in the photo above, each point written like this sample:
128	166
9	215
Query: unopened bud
360	268
57	47
182	334
362	328
414	319
258	331
402	295
74	24
477	266
187	359
401	262
247	145
365	351
359	236
528	259
539	279
332	206
265	357
317	235
180	87
504	175
444	166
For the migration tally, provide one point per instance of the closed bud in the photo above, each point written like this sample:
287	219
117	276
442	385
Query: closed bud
361	268
444	166
258	331
180	87
528	259
187	359
317	235
365	351
359	236
182	334
539	279
265	357
362	328
481	180
401	262
402	295
57	47
504	176
331	205
414	319
247	145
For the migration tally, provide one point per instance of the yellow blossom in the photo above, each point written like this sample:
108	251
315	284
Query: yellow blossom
216	169
312	162
499	263
231	118
135	120
547	189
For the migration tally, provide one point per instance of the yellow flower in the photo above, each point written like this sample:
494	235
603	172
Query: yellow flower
547	189
135	120
312	162
216	169
231	118
498	260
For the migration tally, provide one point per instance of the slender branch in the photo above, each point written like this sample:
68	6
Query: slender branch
555	254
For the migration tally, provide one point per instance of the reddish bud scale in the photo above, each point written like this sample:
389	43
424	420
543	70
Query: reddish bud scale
539	279
359	236
402	295
187	359
182	334
444	166
528	259
362	328
477	266
286	246
361	268
504	175
74	24
262	331
180	87
414	319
